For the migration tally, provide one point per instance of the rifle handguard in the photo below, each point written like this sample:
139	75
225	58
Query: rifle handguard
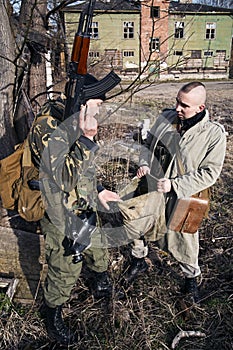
76	91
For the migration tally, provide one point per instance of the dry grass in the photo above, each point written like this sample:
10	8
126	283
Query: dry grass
154	311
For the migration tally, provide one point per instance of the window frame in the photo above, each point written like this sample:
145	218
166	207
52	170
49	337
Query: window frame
155	12
129	53
179	30
154	44
128	29
178	53
210	33
94	54
208	53
95	35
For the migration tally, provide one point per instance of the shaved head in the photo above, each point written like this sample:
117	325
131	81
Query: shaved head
191	100
196	90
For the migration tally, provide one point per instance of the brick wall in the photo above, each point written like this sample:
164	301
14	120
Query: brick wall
156	27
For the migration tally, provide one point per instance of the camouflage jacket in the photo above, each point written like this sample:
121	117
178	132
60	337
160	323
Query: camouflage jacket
64	157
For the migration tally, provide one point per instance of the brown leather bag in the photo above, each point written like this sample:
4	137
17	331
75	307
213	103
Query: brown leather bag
189	213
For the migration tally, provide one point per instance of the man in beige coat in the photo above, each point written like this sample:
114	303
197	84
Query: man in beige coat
201	144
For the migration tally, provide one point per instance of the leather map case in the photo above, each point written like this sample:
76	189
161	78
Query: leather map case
188	214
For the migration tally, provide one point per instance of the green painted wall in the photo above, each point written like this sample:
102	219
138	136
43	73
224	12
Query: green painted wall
194	37
111	38
110	34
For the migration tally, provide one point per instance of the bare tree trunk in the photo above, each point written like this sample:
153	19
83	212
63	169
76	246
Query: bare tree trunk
32	22
15	65
7	69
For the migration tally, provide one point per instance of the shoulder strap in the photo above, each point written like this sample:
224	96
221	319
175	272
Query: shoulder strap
26	161
220	125
180	165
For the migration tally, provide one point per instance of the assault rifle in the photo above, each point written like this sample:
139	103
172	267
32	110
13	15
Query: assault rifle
80	229
76	91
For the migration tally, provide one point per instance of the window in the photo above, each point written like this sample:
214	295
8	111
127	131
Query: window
113	58
208	53
220	59
154	44
94	30
196	54
155	11
94	54
128	30
210	31
128	53
178	53
179	30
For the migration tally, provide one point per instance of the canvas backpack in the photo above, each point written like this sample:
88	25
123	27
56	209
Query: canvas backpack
16	171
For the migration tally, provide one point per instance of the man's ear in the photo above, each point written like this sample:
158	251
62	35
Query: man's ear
201	108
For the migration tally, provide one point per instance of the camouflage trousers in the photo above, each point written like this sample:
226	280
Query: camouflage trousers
62	272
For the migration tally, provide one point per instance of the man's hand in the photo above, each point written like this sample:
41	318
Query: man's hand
164	185
143	170
87	117
108	196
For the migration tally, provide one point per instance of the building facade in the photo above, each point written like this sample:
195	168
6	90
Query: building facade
160	38
115	36
154	33
199	40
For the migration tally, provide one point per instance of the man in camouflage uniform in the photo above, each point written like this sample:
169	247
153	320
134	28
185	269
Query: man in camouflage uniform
65	158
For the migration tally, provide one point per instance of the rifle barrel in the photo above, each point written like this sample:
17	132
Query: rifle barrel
82	39
90	10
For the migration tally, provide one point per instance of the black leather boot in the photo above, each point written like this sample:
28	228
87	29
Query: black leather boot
55	326
136	267
100	285
191	288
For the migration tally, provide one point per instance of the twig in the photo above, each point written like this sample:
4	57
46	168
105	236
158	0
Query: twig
223	237
12	288
185	334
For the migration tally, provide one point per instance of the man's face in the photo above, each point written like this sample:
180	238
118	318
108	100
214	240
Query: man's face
187	105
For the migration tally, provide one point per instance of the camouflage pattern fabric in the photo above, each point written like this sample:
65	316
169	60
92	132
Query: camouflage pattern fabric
61	156
67	174
62	273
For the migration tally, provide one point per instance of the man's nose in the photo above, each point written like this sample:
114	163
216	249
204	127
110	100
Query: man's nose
178	107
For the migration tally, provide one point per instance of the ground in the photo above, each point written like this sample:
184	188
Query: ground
153	312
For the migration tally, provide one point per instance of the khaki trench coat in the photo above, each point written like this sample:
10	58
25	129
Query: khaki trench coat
202	150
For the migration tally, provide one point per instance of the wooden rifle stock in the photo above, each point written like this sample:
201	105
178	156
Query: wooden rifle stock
80	53
81	44
76	91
